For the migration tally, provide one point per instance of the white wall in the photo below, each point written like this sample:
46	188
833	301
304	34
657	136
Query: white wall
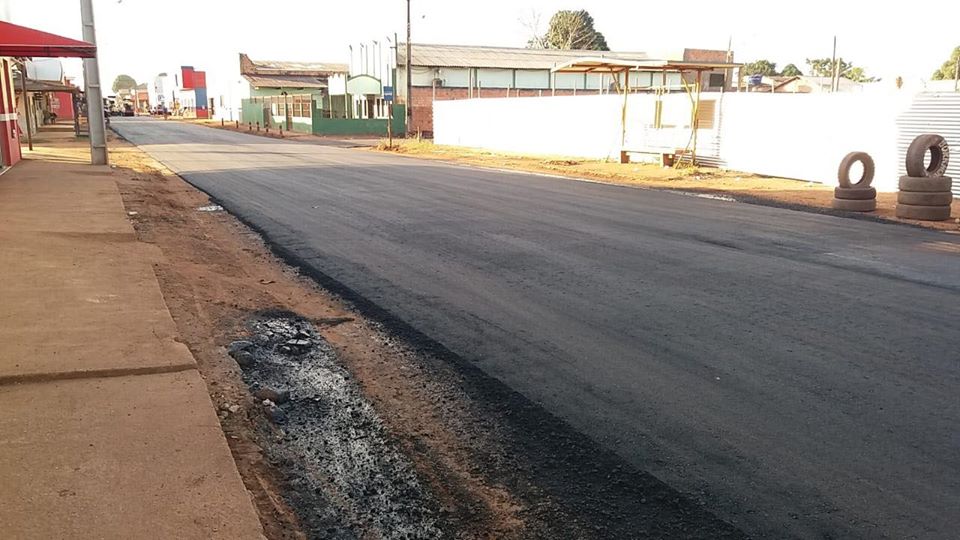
800	136
585	126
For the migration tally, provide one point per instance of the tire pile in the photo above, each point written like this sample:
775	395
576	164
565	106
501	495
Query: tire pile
859	196
925	193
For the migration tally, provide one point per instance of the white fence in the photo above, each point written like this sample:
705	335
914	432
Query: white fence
802	136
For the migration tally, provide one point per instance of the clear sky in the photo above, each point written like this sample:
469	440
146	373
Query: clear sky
145	37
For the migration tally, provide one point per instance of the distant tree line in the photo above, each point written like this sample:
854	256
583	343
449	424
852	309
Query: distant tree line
818	67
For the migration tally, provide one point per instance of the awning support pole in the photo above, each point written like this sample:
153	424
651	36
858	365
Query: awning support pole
26	102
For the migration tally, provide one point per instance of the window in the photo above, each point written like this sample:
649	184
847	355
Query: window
455	77
716	80
568	81
495	78
533	78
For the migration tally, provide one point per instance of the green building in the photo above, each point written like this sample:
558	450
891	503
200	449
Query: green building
318	98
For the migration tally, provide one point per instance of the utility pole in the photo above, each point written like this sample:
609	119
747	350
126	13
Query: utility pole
409	82
91	80
834	66
956	75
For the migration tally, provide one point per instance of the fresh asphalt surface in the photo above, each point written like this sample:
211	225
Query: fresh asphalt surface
798	373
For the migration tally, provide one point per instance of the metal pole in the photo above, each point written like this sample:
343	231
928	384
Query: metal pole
956	75
91	80
26	102
834	67
409	81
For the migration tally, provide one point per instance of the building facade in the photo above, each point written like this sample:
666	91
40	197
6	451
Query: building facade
442	72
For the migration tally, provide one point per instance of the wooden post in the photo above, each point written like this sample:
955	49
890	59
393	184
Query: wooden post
623	111
27	104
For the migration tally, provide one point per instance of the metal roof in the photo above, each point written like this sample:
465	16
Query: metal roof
595	64
274	67
288	81
43	86
498	57
22	41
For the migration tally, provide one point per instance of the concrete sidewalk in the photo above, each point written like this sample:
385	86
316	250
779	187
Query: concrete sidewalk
106	427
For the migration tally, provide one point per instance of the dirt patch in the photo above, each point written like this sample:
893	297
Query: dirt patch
350	478
490	463
217	274
748	188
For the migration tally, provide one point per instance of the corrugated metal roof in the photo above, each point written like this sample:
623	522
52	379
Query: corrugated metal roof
289	81
499	57
932	113
263	65
299	69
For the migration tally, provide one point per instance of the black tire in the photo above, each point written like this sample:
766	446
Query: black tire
855	194
923	213
843	174
913	183
867	205
917	153
930	198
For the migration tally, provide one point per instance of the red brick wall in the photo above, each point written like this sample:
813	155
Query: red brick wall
422	107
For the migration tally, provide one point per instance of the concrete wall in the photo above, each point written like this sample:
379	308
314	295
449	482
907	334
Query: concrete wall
423	98
794	136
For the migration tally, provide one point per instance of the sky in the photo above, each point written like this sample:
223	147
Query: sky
143	38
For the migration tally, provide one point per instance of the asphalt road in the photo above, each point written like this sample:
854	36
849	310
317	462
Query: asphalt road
798	373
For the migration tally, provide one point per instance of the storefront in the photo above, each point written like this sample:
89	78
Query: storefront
18	42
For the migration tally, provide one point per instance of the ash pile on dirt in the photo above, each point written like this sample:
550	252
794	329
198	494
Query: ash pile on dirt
345	478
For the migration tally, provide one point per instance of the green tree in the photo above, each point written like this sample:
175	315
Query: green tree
760	67
791	70
574	30
824	67
124	82
857	74
948	70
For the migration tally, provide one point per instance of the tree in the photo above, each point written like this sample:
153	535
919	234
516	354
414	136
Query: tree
824	67
791	70
856	74
572	30
124	82
532	24
948	71
760	67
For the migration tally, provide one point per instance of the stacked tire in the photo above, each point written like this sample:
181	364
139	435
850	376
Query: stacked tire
857	196
925	193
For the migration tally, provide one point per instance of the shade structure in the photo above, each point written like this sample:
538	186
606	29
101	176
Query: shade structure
20	41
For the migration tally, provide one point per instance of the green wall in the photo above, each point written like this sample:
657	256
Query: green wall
252	112
359	126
